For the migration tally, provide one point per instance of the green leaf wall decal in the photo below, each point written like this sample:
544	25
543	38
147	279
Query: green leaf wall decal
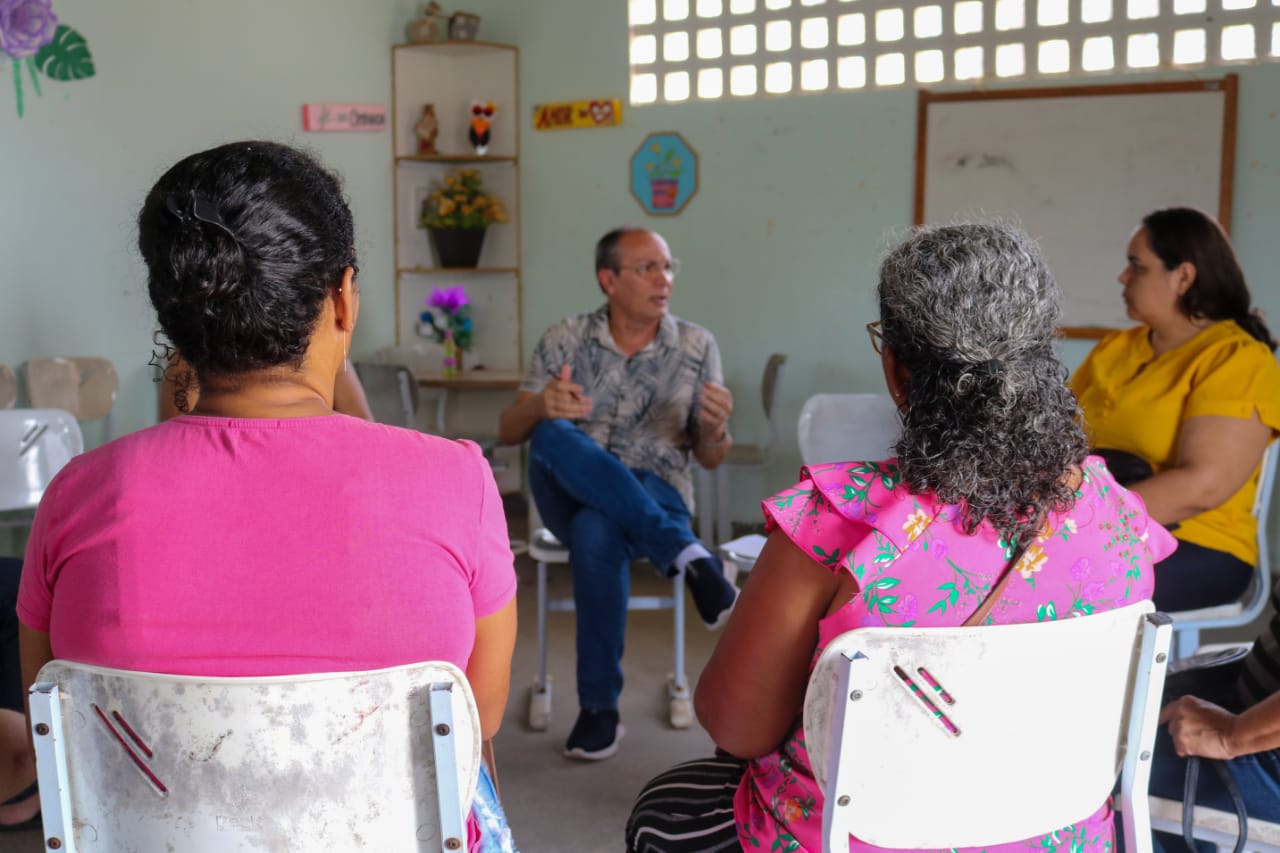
67	57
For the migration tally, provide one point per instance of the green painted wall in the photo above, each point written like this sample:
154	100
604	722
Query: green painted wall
799	196
173	77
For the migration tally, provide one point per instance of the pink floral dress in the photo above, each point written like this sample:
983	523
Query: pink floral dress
916	567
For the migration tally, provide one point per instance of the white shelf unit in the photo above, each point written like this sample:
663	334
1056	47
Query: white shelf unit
453	75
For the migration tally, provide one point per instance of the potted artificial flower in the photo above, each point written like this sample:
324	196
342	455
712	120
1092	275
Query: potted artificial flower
456	215
448	320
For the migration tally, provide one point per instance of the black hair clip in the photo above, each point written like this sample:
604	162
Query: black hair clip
201	209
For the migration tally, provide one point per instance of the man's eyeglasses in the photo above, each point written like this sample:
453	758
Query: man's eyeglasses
644	269
877	336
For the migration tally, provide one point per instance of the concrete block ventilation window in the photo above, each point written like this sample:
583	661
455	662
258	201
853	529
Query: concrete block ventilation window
706	50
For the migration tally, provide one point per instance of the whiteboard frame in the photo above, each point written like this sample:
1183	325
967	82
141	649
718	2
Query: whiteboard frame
1227	86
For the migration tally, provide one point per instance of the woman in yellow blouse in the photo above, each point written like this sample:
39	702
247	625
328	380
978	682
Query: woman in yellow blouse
1195	392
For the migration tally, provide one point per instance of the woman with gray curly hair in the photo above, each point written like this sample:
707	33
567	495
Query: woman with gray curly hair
991	485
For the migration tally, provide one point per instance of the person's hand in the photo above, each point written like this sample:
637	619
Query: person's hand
562	397
713	414
1199	728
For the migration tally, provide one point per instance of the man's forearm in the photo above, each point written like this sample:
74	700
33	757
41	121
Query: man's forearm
1257	729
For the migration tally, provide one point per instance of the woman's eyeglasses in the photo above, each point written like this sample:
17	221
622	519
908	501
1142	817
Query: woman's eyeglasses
877	336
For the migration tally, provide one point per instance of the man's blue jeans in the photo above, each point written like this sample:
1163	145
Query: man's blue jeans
606	514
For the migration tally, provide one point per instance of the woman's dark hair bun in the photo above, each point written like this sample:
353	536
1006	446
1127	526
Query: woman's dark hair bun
242	244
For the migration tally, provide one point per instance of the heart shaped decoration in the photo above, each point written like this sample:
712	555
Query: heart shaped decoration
601	112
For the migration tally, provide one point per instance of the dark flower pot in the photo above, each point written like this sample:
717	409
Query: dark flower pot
457	247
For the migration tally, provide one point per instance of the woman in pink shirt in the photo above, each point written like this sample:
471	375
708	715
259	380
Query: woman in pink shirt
263	533
991	477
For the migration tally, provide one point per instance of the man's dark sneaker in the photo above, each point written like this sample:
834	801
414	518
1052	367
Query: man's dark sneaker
713	595
594	736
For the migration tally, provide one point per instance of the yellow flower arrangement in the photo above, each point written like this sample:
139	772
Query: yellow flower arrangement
460	201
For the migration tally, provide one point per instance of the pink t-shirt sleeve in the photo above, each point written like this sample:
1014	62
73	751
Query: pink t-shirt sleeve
810	521
493	582
35	592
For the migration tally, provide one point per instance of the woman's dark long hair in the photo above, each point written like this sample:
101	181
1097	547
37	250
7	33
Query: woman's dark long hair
1179	235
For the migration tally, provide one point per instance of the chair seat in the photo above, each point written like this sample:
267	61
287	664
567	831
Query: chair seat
1166	815
1222	611
744	551
546	548
746	455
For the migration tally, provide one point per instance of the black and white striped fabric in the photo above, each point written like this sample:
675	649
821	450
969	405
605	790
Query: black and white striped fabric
688	809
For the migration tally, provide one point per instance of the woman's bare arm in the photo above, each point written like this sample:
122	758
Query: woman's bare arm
489	669
752	689
1216	457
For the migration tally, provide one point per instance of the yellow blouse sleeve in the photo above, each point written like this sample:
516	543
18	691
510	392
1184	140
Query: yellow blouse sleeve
1236	379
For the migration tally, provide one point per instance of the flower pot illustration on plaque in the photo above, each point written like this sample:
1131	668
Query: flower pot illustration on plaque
664	173
456	214
447	321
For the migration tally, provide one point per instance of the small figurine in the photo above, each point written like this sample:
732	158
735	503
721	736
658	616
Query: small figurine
427	129
430	27
463	26
478	133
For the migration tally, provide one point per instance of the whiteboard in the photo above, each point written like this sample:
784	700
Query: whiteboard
1077	168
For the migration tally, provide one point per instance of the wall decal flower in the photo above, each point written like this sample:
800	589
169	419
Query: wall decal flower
34	40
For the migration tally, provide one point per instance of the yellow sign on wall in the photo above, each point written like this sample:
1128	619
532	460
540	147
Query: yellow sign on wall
574	114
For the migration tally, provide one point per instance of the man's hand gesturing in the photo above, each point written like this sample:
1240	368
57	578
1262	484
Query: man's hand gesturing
562	397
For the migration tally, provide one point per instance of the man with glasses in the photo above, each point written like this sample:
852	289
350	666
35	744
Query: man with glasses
614	404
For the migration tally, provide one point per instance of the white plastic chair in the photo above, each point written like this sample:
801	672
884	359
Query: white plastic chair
419	359
383	760
844	427
547	550
34	445
987	743
832	428
392	393
1187	624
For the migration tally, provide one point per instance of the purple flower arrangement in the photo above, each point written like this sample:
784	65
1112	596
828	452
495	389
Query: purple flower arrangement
32	37
26	26
448	316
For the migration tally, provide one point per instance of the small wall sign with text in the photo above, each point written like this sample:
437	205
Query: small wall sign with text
664	173
344	117
575	114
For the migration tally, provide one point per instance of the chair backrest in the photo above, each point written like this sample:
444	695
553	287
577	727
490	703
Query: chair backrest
1187	624
392	392
769	392
418	357
99	385
52	383
967	737
844	427
34	445
8	387
378	760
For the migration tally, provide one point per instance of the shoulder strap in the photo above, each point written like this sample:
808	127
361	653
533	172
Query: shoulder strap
984	609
